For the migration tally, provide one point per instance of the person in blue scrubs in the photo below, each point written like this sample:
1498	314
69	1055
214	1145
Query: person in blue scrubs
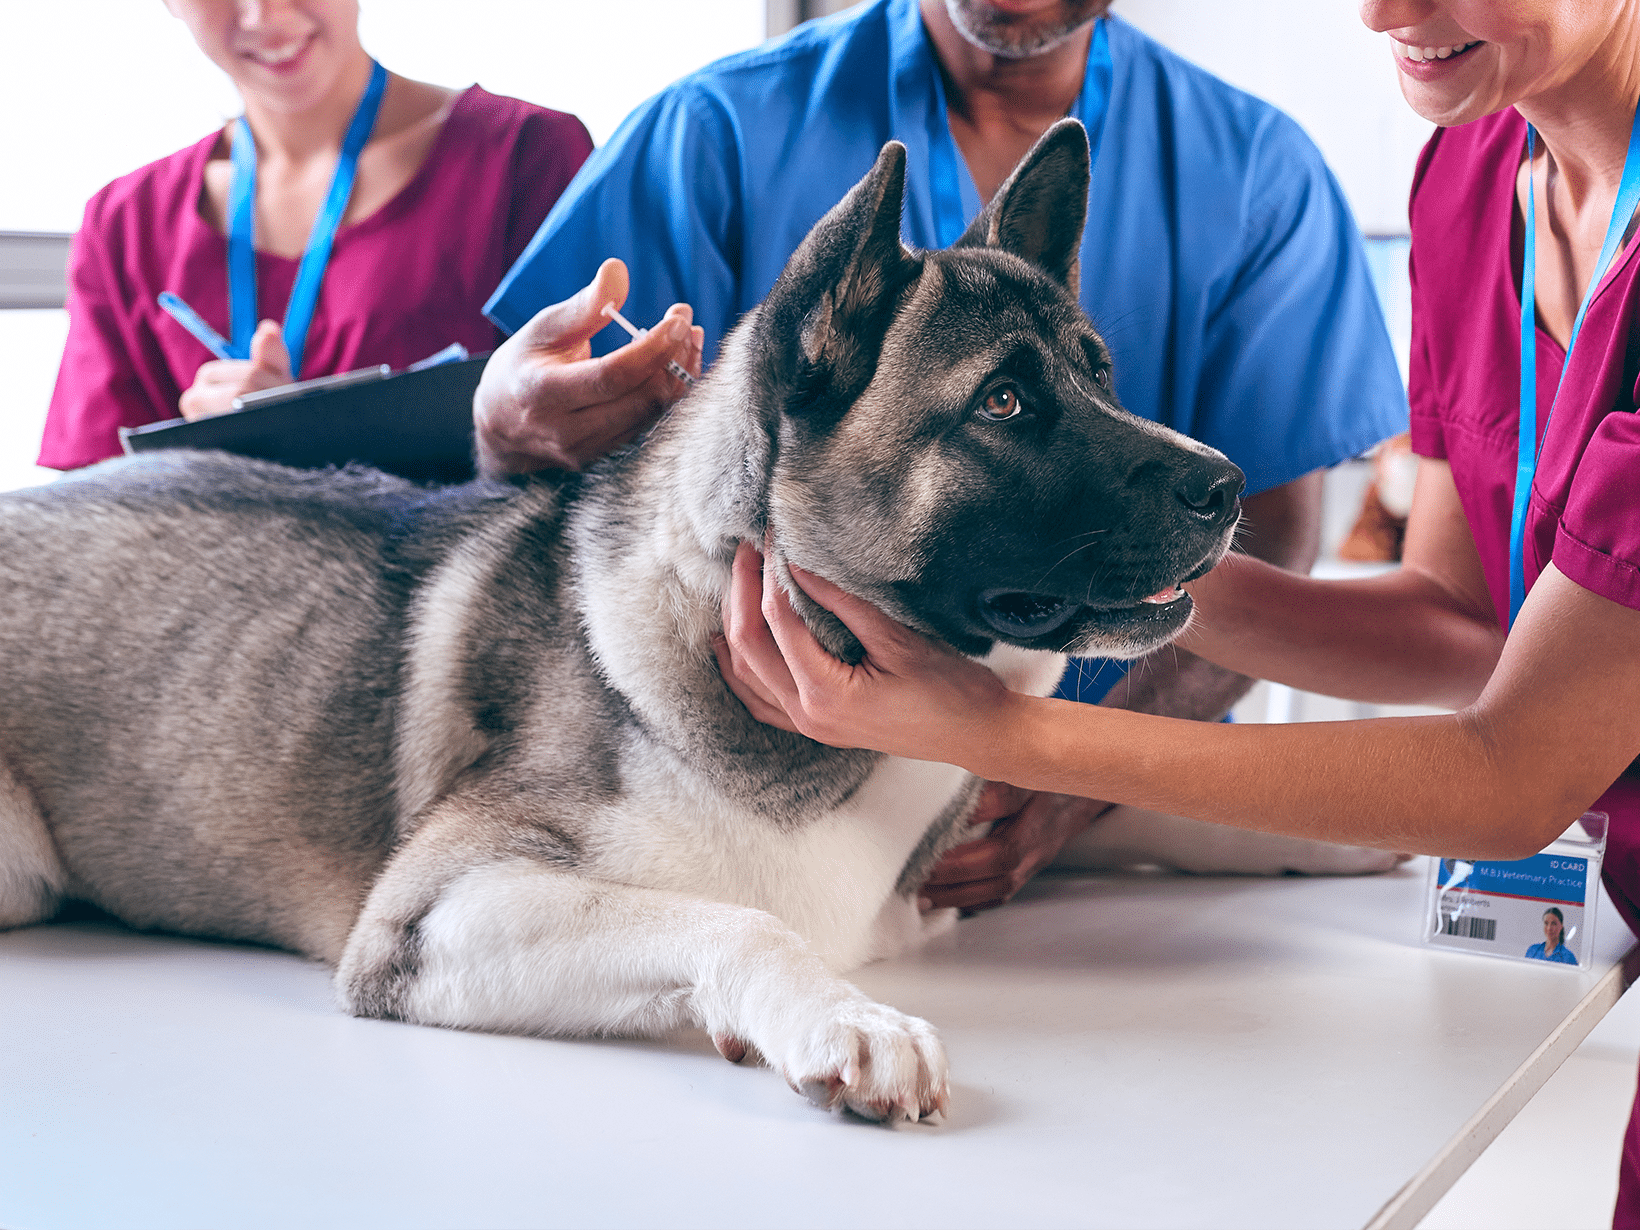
1552	949
1219	262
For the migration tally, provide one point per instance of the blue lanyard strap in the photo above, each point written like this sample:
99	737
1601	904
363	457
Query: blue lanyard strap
241	250
1526	456
304	294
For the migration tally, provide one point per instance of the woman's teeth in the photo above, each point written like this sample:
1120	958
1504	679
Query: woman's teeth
279	55
1419	54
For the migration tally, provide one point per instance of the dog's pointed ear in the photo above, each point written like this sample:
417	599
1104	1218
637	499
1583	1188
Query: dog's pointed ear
1039	212
828	312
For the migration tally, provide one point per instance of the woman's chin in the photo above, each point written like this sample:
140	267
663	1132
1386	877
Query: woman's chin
1453	97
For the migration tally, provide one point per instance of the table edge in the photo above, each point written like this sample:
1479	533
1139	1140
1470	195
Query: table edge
1408	1207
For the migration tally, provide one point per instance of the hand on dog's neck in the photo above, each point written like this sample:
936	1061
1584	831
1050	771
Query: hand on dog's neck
998	106
830	631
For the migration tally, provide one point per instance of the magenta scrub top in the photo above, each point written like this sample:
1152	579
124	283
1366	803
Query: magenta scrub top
1464	389
402	283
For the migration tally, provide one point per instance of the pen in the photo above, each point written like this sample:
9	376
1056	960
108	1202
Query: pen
195	324
672	365
455	352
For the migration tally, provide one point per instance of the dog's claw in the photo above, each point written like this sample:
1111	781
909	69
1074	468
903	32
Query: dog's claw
867	1058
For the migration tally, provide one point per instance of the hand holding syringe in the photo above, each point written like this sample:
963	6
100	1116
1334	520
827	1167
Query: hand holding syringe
672	365
546	402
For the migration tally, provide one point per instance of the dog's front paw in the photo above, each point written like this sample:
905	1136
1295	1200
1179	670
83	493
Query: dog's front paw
879	1063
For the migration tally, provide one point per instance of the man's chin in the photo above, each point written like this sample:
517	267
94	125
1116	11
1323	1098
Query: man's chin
1019	35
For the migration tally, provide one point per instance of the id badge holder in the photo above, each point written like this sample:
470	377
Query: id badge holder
1539	909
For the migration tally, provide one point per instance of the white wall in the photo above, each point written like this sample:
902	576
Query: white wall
94	88
1317	62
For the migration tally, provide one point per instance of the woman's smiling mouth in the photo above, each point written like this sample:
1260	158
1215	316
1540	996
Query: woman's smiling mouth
1419	55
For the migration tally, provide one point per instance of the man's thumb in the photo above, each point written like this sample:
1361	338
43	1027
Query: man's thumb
268	349
581	315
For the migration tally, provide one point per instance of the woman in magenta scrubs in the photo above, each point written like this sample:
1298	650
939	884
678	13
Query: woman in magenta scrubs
1547	703
446	190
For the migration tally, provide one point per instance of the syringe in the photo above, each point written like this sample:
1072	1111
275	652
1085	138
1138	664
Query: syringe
672	365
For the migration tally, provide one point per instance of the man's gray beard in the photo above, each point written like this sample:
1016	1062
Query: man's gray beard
1016	42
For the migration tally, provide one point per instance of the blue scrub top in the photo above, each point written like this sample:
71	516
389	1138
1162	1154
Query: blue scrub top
1561	954
1220	261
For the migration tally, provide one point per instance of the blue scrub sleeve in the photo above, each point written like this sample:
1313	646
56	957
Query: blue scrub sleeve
665	197
1297	363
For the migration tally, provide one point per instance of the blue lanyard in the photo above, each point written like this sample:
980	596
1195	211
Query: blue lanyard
943	160
1628	197
304	294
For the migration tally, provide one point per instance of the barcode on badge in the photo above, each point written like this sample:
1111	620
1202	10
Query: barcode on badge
1469	927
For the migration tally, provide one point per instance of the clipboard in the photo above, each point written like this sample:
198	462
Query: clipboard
416	424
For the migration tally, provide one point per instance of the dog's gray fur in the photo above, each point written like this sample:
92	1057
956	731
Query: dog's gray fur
472	747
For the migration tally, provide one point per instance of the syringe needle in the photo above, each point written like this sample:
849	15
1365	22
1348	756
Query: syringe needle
672	365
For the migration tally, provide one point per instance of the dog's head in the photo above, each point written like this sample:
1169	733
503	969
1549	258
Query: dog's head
946	442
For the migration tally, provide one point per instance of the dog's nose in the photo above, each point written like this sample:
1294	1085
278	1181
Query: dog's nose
1211	492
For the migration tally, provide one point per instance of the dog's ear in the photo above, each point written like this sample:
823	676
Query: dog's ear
826	315
1039	212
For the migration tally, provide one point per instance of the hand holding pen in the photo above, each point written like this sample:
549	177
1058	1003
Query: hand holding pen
218	382
545	403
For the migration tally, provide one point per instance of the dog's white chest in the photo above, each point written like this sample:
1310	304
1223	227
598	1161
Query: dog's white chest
828	879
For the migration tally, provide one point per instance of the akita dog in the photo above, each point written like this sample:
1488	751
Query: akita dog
471	746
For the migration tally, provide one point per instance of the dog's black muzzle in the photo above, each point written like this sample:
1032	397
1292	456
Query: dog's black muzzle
1192	515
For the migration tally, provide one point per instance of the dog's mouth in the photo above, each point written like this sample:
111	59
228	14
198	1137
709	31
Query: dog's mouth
1017	613
1023	615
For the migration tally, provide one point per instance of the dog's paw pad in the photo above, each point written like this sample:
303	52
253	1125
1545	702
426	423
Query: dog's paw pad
730	1047
821	1091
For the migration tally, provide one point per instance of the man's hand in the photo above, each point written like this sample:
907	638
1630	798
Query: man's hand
218	382
1027	830
545	403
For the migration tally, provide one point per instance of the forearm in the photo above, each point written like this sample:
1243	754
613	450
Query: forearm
1174	682
1435	785
1424	634
1395	639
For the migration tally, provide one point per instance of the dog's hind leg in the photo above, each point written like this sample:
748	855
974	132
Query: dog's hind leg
463	932
1131	836
32	877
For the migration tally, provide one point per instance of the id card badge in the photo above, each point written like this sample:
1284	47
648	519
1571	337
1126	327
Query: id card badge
1539	909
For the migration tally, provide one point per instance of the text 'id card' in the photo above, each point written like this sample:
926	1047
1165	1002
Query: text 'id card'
1539	909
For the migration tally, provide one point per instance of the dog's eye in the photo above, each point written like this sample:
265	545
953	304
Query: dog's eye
1101	377
1001	403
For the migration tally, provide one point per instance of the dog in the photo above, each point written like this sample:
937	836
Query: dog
471	745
